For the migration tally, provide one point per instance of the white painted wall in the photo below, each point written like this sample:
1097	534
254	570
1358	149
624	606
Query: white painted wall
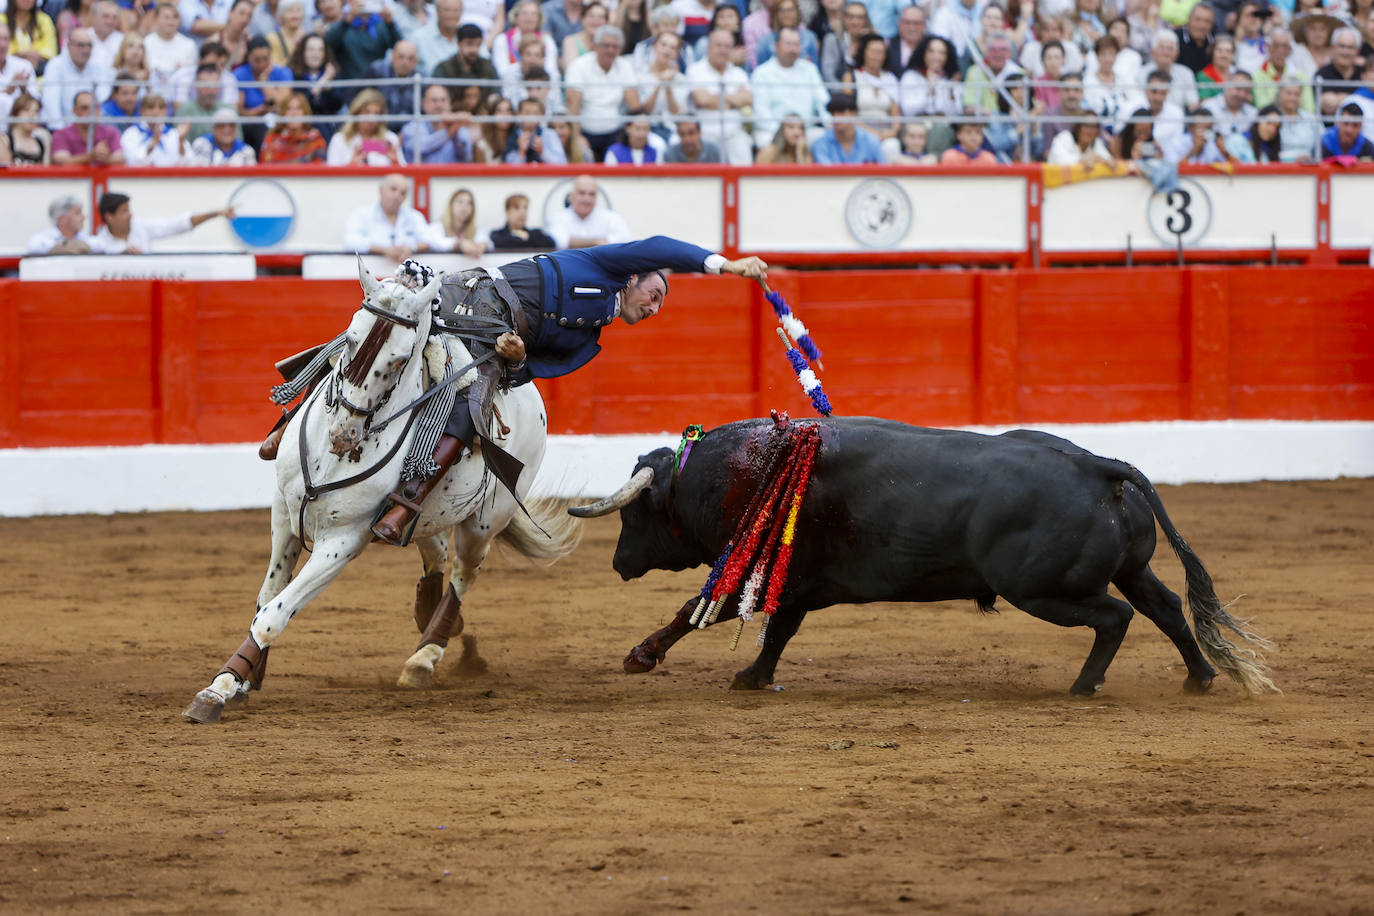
204	478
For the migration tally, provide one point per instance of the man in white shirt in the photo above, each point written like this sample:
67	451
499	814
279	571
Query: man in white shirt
167	50
1182	82
1231	111
957	22
600	87
438	41
71	72
388	227
201	19
123	234
67	234
584	223
788	84
719	91
108	37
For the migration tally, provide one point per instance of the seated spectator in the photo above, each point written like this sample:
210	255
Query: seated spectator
1011	134
67	234
637	145
787	15
528	19
1276	69
1231	111
121	108
789	144
584	222
725	17
1195	38
388	228
968	146
1346	140
70	72
845	143
234	36
1197	144
1166	118
562	18
531	69
438	41
363	40
981	80
1136	139
1104	92
690	148
663	89
154	141
16	74
720	91
632	18
694	17
167	50
203	19
223	146
539	89
410	16
1048	29
534	141
1251	47
203	103
494	136
183	82
403	63
328	13
132	57
874	88
290	29
1069	110
788	84
33	34
1261	144
256	102
467	64
364	138
105	30
598	87
1182	83
1211	77
594	16
456	229
752	28
930	87
1130	64
909	146
123	233
663	20
1052	67
313	62
28	143
446	140
1312	33
992	20
1081	144
911	28
488	15
575	149
85	144
1343	68
293	140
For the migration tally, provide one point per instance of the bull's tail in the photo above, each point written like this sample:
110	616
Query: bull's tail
1242	662
548	534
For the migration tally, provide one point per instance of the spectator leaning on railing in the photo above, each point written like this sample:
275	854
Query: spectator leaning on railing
599	86
388	228
86	144
67	234
789	84
223	146
123	233
293	140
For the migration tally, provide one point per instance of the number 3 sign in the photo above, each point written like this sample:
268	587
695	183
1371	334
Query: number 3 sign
1184	214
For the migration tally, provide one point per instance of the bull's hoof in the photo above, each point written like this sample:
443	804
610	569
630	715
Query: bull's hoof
748	680
640	660
1194	685
206	708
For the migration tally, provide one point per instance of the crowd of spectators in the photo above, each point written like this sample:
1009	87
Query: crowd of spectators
641	82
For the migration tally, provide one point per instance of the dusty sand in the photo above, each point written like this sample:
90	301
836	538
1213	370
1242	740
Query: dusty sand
553	782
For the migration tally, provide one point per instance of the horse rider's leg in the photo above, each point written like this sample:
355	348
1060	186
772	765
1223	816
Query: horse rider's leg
471	547
329	557
268	450
406	503
430	588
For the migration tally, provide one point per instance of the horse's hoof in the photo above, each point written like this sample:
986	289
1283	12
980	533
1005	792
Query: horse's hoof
1193	685
207	707
416	677
640	660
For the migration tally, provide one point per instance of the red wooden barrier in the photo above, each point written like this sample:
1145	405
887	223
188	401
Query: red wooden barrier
169	361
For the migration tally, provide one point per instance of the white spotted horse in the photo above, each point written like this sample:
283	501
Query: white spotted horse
337	464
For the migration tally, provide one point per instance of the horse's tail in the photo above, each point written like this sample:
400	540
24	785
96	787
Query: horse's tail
560	535
1243	662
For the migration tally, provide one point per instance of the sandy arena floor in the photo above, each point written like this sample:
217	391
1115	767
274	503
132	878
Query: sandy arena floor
554	783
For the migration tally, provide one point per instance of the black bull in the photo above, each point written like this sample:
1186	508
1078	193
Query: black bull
902	513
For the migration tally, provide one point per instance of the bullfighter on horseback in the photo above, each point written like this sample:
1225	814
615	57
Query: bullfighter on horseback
542	316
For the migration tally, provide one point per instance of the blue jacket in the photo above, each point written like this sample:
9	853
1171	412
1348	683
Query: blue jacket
578	290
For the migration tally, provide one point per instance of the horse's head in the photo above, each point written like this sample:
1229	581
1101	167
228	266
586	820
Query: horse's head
381	340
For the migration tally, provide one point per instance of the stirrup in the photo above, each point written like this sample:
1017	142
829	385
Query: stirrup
392	501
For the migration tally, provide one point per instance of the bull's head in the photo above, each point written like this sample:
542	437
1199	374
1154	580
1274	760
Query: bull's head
649	537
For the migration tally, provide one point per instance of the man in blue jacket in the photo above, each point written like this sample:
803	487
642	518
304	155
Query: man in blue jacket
557	304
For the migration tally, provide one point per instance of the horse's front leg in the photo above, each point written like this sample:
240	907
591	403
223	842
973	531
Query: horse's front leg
246	666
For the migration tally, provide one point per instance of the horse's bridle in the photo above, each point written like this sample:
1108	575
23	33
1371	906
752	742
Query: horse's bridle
334	394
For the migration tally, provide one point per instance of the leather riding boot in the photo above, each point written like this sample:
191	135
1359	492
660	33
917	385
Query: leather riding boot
393	527
268	450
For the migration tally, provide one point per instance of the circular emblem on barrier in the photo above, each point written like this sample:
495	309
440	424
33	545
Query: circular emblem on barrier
1183	214
264	212
878	213
557	198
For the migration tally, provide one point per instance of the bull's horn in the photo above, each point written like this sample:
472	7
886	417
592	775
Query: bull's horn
617	500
